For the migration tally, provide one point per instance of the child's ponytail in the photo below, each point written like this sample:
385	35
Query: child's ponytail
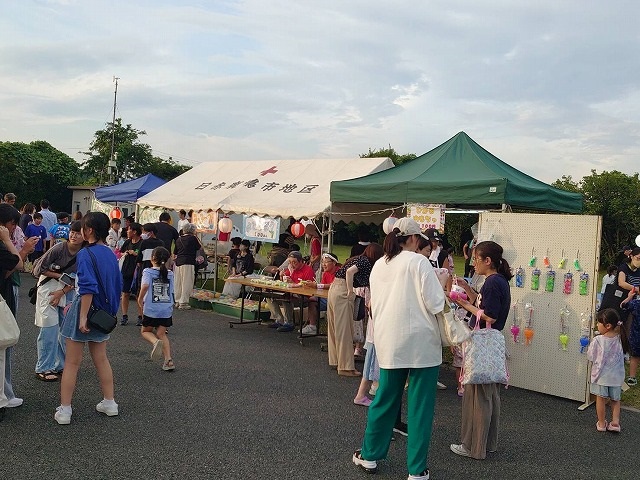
610	316
160	256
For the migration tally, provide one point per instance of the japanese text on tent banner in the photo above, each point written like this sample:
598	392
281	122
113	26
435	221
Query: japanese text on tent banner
205	221
427	215
263	229
148	215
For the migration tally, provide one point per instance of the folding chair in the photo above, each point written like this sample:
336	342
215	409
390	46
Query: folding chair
205	273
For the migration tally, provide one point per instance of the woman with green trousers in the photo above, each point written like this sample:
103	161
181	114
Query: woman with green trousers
405	297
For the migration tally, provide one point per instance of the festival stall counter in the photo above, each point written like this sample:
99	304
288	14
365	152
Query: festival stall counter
555	259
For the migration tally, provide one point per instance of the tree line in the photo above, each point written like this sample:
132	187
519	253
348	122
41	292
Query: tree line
38	170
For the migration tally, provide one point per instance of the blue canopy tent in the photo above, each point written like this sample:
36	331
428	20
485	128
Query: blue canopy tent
129	192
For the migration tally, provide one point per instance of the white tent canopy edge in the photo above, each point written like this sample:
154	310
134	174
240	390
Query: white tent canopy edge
275	188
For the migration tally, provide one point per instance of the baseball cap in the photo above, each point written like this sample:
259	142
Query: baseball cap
295	254
433	234
408	226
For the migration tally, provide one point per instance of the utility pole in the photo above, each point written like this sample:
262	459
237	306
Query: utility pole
111	166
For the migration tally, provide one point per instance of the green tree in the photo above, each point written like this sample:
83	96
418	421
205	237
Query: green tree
567	183
395	157
131	155
616	197
133	158
38	170
167	169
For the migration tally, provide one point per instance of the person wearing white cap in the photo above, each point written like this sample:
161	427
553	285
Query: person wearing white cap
405	297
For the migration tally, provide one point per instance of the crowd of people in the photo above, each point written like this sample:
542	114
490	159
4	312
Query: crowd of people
396	289
64	251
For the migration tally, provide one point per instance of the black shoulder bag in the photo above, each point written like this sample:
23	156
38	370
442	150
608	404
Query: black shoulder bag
97	318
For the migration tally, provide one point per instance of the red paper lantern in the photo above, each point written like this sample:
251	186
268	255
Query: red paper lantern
115	213
297	229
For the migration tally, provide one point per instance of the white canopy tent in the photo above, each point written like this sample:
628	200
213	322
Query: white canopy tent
275	188
268	188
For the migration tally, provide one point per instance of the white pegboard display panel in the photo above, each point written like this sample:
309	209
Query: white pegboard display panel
543	365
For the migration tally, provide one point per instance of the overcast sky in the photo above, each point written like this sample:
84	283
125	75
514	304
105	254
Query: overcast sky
550	87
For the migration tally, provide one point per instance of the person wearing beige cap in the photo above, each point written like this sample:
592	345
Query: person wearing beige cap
405	297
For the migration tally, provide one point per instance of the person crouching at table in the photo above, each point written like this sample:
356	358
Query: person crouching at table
296	271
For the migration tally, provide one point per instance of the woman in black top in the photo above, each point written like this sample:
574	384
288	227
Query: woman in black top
187	247
130	250
481	403
340	308
244	260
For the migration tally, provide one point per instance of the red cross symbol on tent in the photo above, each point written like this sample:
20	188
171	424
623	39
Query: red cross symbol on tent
270	170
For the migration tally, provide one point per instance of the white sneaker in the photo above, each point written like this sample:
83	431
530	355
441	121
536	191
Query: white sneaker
110	410
423	476
441	386
15	402
369	466
460	450
156	351
310	330
62	415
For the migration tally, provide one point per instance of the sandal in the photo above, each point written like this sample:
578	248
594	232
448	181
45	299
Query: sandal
47	376
602	429
613	427
632	382
349	373
365	401
168	365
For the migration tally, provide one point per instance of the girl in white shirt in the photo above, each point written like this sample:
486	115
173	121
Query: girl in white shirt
405	296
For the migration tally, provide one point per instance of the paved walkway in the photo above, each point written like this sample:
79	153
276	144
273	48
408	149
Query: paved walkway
251	403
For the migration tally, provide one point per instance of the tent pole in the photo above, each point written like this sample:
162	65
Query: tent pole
330	234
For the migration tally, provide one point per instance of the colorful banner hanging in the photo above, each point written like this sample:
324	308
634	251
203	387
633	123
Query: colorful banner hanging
427	215
264	229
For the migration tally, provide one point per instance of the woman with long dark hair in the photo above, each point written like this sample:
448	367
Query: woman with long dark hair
405	298
98	284
481	403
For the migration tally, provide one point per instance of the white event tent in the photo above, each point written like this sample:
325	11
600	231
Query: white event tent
274	188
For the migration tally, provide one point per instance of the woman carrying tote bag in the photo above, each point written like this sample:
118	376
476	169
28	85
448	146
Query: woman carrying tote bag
481	403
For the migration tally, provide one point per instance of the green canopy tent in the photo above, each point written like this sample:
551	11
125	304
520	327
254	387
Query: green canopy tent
458	173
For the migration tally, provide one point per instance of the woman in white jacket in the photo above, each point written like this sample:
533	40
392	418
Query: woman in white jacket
405	297
51	299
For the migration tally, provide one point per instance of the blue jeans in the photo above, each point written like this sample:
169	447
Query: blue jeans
322	304
50	350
